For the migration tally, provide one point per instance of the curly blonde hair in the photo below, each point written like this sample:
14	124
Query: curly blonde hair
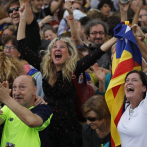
48	67
10	68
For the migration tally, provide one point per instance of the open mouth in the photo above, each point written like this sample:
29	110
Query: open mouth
15	17
58	56
18	98
130	89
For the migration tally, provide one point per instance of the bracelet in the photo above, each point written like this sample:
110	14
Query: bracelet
71	18
41	23
142	39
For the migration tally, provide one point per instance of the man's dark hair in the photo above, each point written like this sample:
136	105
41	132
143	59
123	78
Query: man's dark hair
108	2
94	22
10	2
84	20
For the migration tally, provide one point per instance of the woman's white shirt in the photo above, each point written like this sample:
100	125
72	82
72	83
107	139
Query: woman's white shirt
132	127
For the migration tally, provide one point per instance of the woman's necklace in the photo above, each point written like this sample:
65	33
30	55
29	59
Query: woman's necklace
130	112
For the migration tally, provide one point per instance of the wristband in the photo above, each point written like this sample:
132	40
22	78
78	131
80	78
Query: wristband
41	23
71	18
142	39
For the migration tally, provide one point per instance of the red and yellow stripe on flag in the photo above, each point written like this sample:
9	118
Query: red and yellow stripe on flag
124	60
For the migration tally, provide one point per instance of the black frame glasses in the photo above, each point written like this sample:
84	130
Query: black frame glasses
100	33
91	119
11	10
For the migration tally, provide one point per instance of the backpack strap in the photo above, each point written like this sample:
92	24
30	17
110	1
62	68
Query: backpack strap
75	81
32	72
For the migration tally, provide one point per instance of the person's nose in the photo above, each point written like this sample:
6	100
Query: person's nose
98	35
88	122
16	91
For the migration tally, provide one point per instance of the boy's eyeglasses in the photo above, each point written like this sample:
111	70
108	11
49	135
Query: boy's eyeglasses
11	10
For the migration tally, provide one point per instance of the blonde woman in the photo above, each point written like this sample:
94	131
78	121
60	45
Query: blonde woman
10	68
59	61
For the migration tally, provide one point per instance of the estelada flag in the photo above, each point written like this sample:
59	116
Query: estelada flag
126	58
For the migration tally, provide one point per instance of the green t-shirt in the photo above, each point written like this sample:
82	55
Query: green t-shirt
18	133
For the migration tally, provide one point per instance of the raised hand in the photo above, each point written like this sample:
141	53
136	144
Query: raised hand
68	7
23	1
47	19
23	11
124	7
4	91
99	72
137	31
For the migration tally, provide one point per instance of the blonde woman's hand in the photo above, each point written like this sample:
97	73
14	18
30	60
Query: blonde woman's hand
39	100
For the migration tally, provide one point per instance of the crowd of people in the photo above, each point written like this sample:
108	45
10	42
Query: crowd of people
43	43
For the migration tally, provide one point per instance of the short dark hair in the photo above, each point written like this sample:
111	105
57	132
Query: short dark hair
84	20
13	40
142	76
102	2
94	22
10	2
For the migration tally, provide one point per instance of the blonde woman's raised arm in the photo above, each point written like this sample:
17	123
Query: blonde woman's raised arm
106	46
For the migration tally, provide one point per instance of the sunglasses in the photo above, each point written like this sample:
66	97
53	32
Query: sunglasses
11	10
92	118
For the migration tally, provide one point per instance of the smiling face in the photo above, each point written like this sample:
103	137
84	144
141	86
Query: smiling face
94	124
24	90
59	54
97	35
37	4
15	14
106	9
134	88
49	35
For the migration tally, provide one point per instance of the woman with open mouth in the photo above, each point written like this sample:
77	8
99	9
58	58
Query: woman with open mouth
59	61
132	126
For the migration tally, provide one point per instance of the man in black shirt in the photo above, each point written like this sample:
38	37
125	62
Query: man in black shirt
40	13
32	29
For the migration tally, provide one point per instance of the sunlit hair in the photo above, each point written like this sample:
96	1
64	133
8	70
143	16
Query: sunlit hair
10	68
97	104
48	67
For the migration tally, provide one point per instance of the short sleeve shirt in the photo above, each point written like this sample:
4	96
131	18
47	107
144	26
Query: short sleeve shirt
18	133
